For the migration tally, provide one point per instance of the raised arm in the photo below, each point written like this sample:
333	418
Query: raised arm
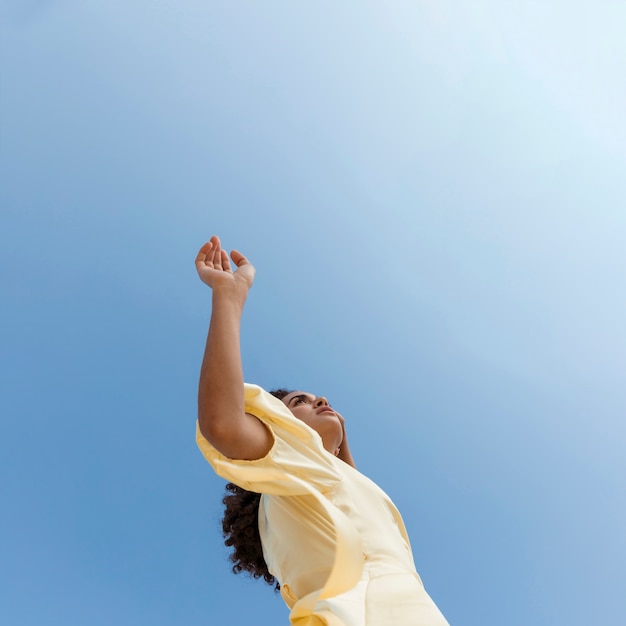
221	414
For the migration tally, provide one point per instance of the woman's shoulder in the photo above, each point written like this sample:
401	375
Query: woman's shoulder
296	461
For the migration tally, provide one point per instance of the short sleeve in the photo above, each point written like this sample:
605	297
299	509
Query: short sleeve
296	463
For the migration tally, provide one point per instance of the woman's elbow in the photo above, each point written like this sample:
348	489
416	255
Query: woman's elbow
213	429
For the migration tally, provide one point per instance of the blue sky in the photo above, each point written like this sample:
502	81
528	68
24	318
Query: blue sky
434	198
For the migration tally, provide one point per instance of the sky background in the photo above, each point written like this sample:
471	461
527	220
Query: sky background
434	196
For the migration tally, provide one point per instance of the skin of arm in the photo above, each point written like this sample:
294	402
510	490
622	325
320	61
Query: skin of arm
344	450
221	415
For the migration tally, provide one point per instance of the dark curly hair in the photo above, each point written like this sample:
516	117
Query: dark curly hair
240	526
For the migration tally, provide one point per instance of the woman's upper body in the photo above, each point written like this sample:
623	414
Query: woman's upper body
321	521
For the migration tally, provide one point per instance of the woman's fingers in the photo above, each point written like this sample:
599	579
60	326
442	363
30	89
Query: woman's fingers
217	256
204	252
225	261
238	258
213	257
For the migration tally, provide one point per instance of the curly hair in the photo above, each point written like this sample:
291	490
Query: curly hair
240	527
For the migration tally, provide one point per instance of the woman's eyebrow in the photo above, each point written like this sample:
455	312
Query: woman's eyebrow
300	395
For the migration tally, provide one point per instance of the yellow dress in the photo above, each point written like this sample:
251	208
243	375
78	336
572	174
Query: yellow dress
332	537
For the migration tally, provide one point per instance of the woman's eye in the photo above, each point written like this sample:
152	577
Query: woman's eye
301	400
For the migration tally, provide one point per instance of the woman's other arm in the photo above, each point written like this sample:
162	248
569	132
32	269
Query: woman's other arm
344	450
221	415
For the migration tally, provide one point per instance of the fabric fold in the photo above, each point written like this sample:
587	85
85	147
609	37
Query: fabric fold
298	466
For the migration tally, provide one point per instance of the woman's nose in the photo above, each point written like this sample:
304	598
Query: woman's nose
321	401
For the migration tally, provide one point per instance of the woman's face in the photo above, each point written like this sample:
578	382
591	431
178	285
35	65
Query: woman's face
318	414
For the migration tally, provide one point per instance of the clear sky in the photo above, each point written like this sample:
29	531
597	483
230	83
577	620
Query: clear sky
434	196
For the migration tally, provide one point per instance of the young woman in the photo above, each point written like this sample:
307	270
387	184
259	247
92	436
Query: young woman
299	512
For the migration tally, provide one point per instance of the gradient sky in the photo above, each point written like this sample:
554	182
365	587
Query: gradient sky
434	196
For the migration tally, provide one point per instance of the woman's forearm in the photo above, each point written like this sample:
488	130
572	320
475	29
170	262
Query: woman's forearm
220	391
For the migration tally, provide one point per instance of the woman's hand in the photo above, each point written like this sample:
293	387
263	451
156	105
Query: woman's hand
214	268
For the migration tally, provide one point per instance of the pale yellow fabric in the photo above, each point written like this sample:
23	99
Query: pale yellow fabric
333	538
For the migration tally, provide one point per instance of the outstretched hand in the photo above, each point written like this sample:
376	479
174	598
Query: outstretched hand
214	268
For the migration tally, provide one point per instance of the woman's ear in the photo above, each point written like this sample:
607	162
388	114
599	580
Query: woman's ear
337	451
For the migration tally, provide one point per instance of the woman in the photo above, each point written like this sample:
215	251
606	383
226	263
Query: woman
333	539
